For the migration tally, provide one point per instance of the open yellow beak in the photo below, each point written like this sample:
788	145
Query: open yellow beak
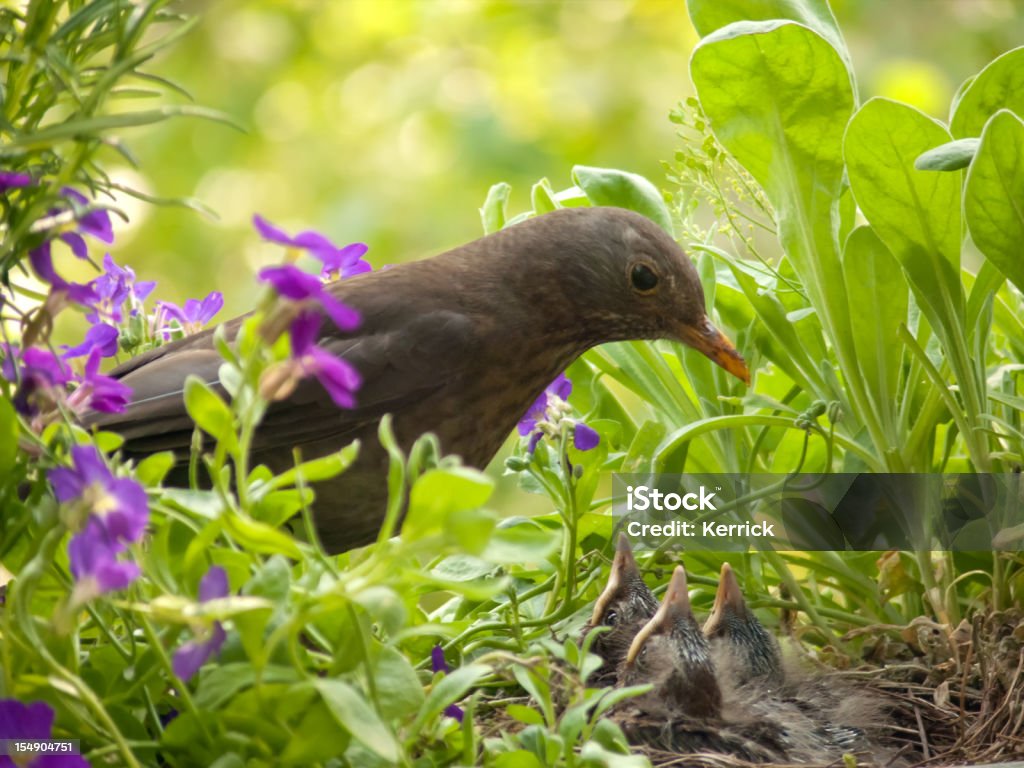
711	342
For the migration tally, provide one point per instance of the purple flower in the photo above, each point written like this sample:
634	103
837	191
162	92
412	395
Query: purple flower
338	262
437	660
10	180
93	556
438	664
113	288
292	283
313	242
118	504
42	262
102	337
339	378
584	437
345	262
192	655
98	391
32	722
95	223
549	408
41	378
195	314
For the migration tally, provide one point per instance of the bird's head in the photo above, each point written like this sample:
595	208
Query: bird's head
628	279
752	650
624	606
671	652
625	598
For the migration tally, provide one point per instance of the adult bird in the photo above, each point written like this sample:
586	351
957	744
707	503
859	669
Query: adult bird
460	345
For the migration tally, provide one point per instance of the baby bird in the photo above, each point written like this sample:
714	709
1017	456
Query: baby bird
625	605
740	644
684	711
693	707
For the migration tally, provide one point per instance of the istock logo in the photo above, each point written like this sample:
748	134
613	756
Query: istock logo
641	498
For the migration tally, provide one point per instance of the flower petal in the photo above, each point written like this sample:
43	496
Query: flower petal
584	438
269	232
338	377
214	584
25	721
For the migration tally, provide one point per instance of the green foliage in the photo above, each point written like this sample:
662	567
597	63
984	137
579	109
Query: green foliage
876	344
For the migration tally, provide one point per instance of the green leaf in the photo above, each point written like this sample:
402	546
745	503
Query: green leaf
108	442
951	156
354	713
316	470
525	715
915	213
495	208
994	195
609	186
710	15
399	690
874	280
543	197
448	690
520	540
438	494
153	469
8	437
778	97
210	413
1000	85
259	537
316	738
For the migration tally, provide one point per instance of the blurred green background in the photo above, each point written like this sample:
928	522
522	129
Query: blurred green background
386	121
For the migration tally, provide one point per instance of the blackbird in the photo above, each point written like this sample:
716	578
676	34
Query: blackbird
460	345
625	605
693	708
739	641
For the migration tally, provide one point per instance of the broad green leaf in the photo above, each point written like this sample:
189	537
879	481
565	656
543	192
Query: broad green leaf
609	186
495	208
519	540
315	738
153	469
915	213
951	156
399	690
876	283
448	690
711	15
994	195
1000	85
354	713
779	96
438	494
210	412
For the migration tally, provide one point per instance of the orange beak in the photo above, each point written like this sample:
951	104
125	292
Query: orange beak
713	344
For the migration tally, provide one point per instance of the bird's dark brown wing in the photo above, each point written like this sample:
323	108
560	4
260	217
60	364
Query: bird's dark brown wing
400	362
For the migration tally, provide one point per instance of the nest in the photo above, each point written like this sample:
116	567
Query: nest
951	697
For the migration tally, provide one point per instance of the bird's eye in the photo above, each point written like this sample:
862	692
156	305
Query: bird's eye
611	618
644	278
